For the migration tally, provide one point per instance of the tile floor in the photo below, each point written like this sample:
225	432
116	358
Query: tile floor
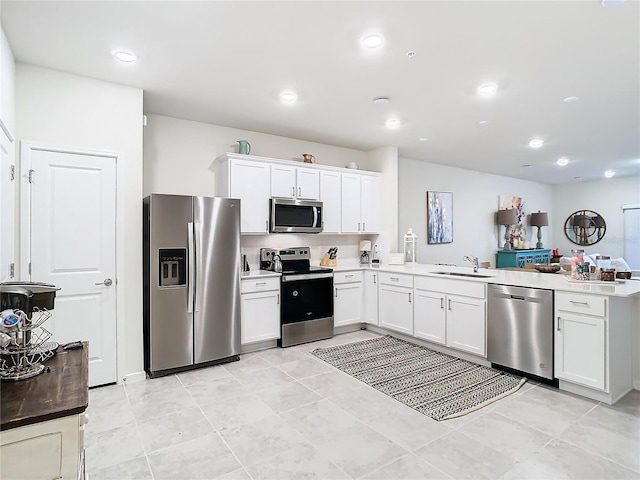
282	413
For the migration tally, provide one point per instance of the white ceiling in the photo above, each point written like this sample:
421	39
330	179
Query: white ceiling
225	63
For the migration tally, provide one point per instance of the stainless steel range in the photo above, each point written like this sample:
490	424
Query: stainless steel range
306	309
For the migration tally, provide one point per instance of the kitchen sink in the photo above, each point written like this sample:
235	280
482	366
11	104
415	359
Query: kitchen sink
461	274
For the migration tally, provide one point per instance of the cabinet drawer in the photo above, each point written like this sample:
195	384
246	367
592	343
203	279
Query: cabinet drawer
347	277
248	285
580	303
454	287
396	279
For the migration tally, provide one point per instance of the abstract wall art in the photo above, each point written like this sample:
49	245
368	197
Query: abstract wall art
439	217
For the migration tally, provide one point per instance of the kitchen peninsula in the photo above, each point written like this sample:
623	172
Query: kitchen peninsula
43	419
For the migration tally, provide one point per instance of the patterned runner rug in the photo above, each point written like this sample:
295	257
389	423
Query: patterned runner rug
437	385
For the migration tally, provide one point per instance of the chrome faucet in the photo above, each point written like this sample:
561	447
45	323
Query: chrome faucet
473	261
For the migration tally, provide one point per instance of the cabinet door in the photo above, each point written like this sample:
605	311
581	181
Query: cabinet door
351	222
283	181
580	349
370	204
250	183
347	304
330	197
466	325
370	303
429	316
395	308
260	319
308	184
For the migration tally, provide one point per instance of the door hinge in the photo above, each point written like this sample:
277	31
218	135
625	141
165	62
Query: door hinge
13	172
12	270
30	176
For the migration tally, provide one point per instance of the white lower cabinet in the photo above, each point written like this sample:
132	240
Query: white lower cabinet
370	303
347	298
260	318
49	449
581	339
395	302
430	316
451	313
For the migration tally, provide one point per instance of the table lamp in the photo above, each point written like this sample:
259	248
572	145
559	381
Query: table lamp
365	248
540	219
507	217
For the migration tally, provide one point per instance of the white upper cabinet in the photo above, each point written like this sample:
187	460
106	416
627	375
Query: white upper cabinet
295	182
351	200
360	204
330	197
248	181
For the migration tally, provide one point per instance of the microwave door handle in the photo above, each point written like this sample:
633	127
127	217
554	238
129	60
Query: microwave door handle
191	267
315	216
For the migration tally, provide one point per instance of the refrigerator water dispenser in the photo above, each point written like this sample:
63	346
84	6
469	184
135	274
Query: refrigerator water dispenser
173	267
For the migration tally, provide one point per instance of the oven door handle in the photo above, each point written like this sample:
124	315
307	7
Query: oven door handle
305	276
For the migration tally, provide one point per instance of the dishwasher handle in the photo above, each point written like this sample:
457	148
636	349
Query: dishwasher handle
517	297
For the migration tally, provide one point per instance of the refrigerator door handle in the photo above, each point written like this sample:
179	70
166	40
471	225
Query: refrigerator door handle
198	293
191	267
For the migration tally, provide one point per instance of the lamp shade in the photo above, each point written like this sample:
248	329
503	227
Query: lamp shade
507	216
540	219
365	245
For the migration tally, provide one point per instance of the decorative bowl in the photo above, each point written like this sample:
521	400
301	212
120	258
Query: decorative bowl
547	267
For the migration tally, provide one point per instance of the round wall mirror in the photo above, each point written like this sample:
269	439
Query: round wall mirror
585	227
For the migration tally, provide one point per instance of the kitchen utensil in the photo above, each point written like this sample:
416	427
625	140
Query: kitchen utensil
308	158
244	147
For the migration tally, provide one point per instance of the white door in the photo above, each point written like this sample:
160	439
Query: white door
260	317
308	182
283	181
72	245
250	183
466	328
429	316
396	308
347	304
371	297
7	207
350	203
370	204
331	201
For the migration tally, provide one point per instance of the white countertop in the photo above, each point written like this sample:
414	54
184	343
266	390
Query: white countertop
258	274
550	281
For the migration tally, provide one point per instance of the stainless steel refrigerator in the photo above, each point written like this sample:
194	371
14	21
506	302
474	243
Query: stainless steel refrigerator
191	282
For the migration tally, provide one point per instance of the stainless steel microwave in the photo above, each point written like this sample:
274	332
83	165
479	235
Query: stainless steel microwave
294	216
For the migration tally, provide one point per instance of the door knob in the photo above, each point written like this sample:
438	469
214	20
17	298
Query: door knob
107	282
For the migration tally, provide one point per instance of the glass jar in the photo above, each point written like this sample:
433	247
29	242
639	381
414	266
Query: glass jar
608	274
602	262
577	256
583	271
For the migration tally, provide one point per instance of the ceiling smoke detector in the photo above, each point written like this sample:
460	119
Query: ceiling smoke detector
380	101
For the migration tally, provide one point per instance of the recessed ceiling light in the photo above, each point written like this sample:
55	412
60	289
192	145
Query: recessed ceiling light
527	165
288	97
423	139
381	101
562	161
411	54
483	122
371	41
571	99
536	143
488	88
392	122
609	173
612	3
124	56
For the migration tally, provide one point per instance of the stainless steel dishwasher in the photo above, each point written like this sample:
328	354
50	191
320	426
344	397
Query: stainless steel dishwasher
520	329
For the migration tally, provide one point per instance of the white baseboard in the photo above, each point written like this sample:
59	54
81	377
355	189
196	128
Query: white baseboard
134	377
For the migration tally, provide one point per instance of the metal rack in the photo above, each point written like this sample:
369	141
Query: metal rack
27	347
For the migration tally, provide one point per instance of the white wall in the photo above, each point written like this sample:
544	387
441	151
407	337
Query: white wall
61	109
178	153
475	202
605	197
7	74
385	160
